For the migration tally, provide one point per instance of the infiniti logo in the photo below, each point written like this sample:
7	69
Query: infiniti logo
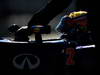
27	61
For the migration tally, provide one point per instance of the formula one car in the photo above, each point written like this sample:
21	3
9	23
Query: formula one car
43	57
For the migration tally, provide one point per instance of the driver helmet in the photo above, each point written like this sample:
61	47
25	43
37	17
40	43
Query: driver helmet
76	20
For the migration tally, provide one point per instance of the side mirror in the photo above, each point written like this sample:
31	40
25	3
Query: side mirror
22	33
40	29
13	28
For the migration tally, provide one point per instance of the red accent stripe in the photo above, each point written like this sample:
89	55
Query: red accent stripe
71	52
82	22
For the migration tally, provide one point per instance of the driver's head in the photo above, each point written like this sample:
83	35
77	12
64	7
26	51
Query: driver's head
73	20
76	14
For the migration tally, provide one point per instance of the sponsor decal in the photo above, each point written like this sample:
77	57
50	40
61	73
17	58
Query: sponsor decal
26	61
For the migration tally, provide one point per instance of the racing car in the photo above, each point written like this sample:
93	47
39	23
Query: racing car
44	57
